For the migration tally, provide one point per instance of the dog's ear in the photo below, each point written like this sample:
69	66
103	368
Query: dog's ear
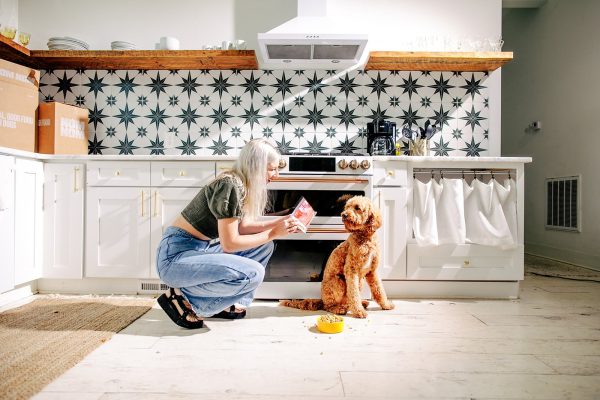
374	218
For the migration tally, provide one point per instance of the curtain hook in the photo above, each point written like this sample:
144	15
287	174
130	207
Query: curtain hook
509	174
463	174
492	172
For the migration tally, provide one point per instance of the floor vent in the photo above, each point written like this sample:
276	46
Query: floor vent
563	210
153	287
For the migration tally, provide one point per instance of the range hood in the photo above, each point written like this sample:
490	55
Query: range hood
311	41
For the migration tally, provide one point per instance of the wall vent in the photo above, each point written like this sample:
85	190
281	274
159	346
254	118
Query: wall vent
563	209
153	287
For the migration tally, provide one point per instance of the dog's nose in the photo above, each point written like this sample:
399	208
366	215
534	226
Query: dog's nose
344	215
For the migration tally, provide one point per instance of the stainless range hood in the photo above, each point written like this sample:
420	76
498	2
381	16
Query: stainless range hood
311	41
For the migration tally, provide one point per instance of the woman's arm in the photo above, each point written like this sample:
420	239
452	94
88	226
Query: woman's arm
248	226
232	240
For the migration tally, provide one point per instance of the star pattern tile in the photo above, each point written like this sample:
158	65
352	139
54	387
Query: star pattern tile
216	112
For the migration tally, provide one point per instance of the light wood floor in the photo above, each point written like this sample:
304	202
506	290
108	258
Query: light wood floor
546	345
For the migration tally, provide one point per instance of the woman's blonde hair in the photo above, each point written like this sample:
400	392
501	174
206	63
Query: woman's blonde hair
251	167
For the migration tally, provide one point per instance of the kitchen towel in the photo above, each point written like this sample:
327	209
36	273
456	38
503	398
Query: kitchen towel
484	218
507	193
424	212
450	212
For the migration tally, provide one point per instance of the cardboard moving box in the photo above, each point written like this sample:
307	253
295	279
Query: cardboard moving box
62	129
19	100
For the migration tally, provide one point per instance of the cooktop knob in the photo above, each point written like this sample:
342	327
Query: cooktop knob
354	164
365	164
343	164
282	163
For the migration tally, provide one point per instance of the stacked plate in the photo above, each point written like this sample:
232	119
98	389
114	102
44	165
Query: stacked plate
67	43
120	45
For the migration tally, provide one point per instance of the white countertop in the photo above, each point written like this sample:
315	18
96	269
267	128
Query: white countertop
411	159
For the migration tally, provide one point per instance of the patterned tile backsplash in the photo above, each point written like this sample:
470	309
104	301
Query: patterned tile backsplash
215	112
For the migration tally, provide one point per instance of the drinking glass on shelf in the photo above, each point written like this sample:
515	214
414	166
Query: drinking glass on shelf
24	38
496	44
8	32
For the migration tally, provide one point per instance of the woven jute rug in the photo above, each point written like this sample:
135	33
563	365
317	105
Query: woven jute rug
41	340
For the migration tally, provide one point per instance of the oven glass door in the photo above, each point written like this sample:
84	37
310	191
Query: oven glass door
326	195
299	260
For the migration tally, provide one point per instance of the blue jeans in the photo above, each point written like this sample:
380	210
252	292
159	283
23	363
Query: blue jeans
210	279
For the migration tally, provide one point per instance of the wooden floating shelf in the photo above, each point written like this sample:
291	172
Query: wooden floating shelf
145	59
437	61
14	52
236	59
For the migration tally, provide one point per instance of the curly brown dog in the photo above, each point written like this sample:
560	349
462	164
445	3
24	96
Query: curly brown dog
354	259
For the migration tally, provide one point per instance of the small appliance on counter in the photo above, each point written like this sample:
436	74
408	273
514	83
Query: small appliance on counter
381	137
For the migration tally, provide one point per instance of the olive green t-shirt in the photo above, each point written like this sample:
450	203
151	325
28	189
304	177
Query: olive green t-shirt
222	198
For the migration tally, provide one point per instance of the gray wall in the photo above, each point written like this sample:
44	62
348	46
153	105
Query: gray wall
554	79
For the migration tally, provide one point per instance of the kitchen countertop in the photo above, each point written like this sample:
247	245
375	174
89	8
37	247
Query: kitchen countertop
85	157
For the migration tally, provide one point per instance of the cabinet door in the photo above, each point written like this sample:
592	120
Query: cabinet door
29	185
7	223
392	234
167	204
118	232
63	221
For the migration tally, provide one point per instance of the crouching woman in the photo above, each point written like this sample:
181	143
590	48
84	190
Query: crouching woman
214	254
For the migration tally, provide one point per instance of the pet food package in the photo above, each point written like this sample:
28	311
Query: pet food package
304	213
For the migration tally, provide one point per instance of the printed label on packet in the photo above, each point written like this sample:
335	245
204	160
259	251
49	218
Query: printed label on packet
304	213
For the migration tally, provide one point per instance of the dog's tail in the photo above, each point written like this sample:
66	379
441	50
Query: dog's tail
306	304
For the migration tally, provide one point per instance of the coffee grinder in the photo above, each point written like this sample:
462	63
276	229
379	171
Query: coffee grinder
381	137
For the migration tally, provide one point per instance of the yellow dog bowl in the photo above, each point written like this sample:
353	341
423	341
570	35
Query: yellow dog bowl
330	323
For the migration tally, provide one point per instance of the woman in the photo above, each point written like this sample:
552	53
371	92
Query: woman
214	255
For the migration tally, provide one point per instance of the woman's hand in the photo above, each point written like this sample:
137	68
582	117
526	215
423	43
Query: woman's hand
286	226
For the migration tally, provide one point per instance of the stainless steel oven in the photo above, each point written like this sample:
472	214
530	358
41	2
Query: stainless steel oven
326	181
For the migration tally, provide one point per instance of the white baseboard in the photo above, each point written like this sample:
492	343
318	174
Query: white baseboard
564	255
18	294
287	290
100	286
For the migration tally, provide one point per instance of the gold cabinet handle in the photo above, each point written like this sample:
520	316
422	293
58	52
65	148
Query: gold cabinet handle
182	173
117	173
143	213
155	213
466	263
75	171
390	173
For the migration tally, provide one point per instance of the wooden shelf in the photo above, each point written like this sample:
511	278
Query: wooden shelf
14	52
437	61
145	59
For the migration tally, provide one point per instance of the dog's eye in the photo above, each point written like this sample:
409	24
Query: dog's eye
357	208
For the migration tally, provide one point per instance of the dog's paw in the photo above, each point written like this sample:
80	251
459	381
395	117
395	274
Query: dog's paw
388	305
359	314
339	310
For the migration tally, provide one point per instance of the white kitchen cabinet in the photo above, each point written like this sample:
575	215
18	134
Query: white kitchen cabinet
167	204
29	184
126	215
118	232
392	234
63	220
465	262
7	223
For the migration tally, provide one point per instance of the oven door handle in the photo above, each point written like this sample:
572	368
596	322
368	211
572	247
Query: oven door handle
319	180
